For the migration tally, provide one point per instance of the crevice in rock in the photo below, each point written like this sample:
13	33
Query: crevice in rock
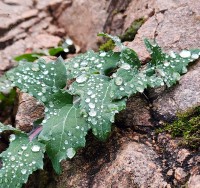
114	8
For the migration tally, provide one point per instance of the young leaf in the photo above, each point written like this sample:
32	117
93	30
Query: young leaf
96	103
127	55
20	159
165	68
55	51
29	57
63	134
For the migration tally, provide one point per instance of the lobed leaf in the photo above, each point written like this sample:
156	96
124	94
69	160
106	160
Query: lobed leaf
44	81
96	103
63	134
164	68
20	159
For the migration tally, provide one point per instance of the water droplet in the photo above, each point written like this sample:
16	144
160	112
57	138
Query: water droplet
35	148
118	81
12	137
102	54
82	78
195	56
91	105
23	171
12	158
35	67
89	92
140	89
87	100
185	54
126	66
172	54
92	113
69	41
166	63
84	63
39	94
43	99
66	142
46	72
24	147
70	152
76	65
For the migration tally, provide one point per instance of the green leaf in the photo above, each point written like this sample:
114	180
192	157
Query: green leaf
127	55
127	81
164	68
96	103
20	159
29	57
44	81
63	134
91	63
55	51
114	38
5	85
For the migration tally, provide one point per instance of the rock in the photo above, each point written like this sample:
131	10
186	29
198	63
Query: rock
174	28
137	114
120	162
194	181
134	166
182	155
84	29
7	55
29	14
28	111
184	95
44	41
11	15
180	174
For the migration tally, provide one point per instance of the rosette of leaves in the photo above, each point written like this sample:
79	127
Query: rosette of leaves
102	81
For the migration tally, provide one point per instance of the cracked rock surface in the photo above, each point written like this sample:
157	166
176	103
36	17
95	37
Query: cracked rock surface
133	156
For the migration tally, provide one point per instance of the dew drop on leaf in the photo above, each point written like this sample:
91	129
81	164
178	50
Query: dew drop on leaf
35	148
91	105
24	147
185	54
12	158
118	81
70	152
126	66
82	78
12	137
92	113
23	171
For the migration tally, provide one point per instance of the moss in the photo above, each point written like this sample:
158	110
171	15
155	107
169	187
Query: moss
109	45
130	33
186	126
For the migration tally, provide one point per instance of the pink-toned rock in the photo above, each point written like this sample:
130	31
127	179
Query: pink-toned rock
134	166
7	55
180	174
194	182
182	155
137	113
84	29
28	111
43	41
120	162
29	14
